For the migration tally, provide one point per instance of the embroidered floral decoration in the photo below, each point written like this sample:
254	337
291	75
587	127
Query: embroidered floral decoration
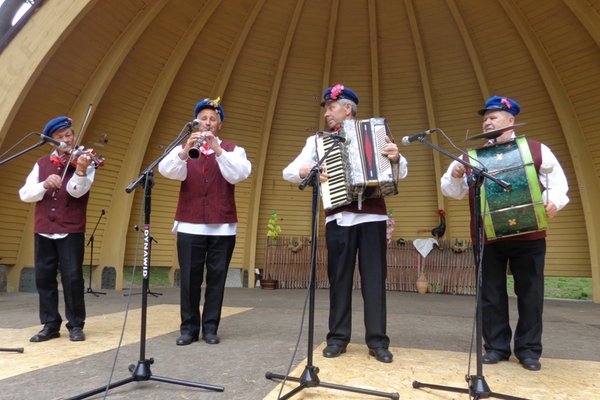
213	103
58	161
336	90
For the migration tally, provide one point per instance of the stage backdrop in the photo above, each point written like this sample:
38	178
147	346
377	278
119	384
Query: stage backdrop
142	65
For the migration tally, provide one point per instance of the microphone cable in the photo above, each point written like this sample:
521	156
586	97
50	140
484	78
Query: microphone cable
297	345
128	304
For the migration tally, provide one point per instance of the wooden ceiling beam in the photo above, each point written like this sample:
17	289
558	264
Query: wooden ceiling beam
256	195
374	56
574	137
140	136
428	96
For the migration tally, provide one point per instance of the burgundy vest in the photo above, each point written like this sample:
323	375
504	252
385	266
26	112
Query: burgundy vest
536	153
205	197
61	213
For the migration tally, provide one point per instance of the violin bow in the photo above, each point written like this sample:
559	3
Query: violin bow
77	142
79	139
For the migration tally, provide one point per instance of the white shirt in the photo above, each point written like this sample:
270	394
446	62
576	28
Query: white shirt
308	155
234	167
33	190
555	181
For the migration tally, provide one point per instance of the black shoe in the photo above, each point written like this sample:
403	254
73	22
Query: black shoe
211	338
531	364
45	334
381	354
493	357
185	339
76	334
334	350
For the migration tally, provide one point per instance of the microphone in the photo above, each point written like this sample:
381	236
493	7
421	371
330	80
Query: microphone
406	140
192	124
46	138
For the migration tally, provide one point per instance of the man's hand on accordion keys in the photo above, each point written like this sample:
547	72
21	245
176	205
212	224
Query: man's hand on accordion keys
305	170
390	150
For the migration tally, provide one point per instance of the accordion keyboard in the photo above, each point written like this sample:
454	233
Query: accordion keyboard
335	191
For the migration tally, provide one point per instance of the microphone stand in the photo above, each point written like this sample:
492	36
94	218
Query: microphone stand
309	377
141	371
2	162
478	387
91	244
150	292
27	150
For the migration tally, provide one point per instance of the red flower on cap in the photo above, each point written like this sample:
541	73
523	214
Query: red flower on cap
506	102
336	90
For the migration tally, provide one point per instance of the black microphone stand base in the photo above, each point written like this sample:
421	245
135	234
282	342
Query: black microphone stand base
151	293
13	349
478	389
91	291
309	378
141	372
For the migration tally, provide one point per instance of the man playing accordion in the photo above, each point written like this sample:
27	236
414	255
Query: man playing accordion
352	229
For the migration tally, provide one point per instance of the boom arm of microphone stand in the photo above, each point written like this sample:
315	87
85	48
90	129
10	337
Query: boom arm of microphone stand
19	154
182	135
476	170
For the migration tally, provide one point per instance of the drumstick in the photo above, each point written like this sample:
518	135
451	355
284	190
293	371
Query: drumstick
546	169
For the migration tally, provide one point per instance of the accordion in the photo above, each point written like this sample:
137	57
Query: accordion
357	170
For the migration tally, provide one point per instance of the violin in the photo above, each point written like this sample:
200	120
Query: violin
97	161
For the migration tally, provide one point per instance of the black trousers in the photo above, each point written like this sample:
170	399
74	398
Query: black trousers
344	243
64	255
194	252
526	261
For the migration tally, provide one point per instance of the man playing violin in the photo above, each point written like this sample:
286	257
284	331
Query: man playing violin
60	189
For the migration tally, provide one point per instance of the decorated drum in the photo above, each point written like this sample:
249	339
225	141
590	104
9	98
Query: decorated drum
520	210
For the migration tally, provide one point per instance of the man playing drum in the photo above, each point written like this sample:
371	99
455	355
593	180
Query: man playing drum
524	252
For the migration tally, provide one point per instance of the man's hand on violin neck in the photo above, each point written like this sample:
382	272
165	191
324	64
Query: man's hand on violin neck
83	161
